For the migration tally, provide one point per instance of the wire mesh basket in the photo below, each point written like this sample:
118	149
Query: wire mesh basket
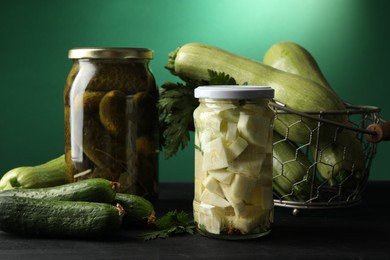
330	167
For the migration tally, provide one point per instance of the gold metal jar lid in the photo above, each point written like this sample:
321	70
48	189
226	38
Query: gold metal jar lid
110	53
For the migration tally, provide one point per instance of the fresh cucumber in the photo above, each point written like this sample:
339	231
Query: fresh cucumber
92	190
50	218
44	175
138	210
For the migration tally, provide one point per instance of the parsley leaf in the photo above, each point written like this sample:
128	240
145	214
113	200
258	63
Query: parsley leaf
176	106
220	78
172	223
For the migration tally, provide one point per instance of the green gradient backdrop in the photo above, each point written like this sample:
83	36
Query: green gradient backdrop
349	39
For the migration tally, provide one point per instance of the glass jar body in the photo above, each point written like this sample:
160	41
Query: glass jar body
233	168
111	124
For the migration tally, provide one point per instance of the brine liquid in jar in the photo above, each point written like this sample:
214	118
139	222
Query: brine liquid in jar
233	161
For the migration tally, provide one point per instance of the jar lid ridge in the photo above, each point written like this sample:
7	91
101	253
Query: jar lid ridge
233	92
110	53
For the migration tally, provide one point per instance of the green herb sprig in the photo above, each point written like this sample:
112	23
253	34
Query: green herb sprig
172	223
176	106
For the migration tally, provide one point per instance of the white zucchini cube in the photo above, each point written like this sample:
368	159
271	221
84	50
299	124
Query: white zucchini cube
213	199
198	165
231	131
215	155
239	208
242	187
254	128
211	120
198	189
237	147
237	204
240	190
212	185
248	163
262	196
209	219
205	137
223	176
230	115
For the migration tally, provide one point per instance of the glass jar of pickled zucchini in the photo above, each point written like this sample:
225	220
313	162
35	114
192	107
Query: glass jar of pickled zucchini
111	118
233	161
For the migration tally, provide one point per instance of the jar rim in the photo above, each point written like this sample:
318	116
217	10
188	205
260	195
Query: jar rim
110	53
233	92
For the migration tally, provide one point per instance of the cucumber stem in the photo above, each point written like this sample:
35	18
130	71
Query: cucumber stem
152	218
121	210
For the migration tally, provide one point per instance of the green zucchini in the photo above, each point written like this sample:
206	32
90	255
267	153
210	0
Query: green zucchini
293	58
50	218
92	190
339	160
195	60
292	171
44	175
138	210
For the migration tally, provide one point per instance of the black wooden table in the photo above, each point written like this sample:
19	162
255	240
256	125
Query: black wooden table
358	232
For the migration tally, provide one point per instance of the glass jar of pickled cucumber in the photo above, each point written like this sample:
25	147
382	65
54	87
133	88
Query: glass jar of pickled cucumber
233	161
111	118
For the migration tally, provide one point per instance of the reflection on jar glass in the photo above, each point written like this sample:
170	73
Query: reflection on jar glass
233	162
111	119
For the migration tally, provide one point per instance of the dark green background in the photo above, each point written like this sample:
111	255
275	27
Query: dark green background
349	39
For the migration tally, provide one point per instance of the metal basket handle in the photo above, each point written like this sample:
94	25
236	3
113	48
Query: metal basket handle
382	132
374	132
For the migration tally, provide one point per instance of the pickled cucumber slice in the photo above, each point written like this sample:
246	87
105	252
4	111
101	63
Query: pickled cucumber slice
112	114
